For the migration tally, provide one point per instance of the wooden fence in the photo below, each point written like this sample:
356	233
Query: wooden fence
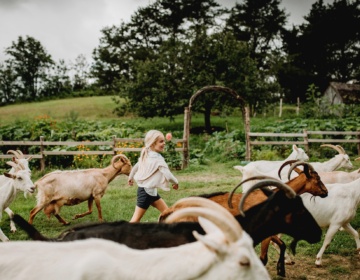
305	138
112	147
108	147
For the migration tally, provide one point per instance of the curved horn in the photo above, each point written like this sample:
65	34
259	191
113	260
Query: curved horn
284	164
21	154
290	193
341	148
116	157
306	165
15	153
230	227
336	148
244	181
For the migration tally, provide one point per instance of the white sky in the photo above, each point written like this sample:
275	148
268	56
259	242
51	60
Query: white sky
68	28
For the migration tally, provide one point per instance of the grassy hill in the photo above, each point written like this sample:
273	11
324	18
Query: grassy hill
88	108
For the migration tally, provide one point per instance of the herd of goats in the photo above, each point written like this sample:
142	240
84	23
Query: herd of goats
199	237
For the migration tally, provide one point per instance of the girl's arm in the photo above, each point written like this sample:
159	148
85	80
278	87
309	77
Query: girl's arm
170	177
132	173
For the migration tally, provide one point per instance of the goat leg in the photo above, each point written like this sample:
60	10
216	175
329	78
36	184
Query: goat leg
280	267
61	220
90	203
11	215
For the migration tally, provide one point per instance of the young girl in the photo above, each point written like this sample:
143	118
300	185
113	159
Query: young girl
150	173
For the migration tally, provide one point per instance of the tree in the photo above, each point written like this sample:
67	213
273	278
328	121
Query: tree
81	73
57	82
8	83
323	49
259	23
30	62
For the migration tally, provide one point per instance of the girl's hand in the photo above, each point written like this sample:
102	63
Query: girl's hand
175	186
130	182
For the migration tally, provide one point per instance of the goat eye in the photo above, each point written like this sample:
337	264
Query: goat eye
244	261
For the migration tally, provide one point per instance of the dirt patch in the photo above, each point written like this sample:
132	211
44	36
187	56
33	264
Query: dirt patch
334	267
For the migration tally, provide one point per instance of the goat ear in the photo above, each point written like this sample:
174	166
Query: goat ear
11	176
208	226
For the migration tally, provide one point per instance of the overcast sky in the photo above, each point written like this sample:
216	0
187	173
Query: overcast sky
68	28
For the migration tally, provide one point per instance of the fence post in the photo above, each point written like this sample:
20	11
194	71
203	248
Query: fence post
306	140
42	160
358	144
247	132
186	137
114	144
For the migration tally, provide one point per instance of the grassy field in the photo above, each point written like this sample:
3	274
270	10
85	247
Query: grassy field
340	261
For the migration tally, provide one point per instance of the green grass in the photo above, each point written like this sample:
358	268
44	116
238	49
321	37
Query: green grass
101	108
87	108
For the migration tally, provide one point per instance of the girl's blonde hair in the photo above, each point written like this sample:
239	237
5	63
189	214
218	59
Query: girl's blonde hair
150	138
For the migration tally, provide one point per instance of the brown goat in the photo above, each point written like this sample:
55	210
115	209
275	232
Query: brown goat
307	181
60	188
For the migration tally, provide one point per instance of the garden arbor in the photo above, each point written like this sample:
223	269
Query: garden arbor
187	118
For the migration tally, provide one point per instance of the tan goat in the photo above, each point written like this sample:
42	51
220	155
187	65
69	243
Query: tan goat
60	188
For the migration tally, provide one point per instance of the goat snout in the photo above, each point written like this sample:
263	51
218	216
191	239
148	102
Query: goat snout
31	189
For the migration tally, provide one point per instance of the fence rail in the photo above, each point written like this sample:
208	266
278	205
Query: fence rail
304	138
111	148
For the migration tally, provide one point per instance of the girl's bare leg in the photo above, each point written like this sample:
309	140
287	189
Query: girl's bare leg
160	204
138	214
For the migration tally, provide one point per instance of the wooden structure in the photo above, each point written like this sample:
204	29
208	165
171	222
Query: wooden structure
110	146
305	138
342	93
187	117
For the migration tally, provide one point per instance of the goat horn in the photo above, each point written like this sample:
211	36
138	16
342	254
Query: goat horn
15	153
336	148
21	154
305	164
341	148
290	193
230	227
196	201
242	182
116	157
284	164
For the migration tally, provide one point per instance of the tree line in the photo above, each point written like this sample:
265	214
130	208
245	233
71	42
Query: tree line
171	48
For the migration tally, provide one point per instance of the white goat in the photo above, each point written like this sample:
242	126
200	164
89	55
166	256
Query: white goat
18	162
341	160
266	167
60	188
19	181
335	211
225	252
333	177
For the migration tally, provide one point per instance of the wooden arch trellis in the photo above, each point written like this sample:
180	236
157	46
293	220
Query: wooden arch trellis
187	119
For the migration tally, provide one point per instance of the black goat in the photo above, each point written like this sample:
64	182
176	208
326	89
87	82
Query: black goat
281	212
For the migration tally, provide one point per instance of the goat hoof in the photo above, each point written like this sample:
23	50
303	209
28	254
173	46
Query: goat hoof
290	263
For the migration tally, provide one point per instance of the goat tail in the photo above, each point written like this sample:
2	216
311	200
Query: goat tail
32	232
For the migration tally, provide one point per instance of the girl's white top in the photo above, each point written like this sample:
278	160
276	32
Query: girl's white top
154	173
